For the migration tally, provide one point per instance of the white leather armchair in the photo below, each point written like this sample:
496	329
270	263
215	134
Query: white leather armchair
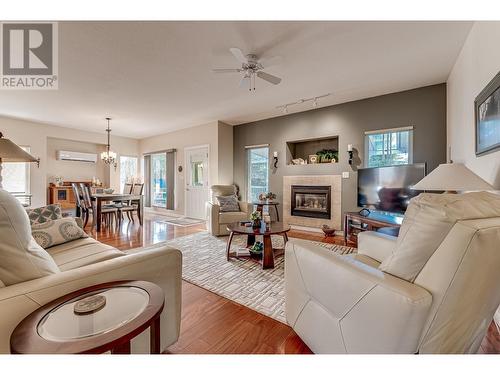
345	304
217	220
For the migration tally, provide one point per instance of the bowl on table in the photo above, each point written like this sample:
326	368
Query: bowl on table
108	191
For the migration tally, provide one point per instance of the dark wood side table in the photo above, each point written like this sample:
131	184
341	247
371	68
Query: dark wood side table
354	223
260	207
131	307
269	253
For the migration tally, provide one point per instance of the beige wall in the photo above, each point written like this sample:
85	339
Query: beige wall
36	135
225	154
199	135
74	170
217	135
477	64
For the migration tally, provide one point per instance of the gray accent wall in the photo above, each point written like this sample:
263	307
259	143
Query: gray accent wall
423	108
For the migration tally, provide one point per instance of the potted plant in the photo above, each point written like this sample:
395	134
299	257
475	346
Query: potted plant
255	217
327	156
270	196
257	248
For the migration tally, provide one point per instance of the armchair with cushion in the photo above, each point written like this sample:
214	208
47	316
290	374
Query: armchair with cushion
217	219
433	289
31	276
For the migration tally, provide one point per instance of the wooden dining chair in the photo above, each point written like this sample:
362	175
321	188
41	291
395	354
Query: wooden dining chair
78	200
108	212
132	205
127	188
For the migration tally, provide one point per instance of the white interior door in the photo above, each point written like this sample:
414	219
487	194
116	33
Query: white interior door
196	181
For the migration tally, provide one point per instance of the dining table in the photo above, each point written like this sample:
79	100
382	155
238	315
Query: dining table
99	199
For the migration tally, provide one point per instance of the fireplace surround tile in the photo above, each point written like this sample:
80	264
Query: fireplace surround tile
335	183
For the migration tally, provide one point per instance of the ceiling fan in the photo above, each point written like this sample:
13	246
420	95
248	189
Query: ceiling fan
250	67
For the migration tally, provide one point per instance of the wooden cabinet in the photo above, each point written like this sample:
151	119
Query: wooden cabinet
355	222
63	194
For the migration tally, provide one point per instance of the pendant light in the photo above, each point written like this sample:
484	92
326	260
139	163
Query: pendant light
108	156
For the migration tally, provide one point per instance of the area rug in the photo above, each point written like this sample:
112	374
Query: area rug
242	281
182	221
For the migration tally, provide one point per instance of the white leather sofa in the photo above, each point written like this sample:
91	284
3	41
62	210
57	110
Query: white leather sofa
85	262
346	304
217	220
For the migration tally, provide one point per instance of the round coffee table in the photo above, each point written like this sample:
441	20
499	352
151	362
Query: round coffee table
269	253
260	206
131	307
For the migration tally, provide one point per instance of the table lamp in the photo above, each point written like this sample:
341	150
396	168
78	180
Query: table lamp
12	153
452	177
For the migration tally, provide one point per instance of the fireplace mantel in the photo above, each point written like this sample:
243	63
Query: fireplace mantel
333	185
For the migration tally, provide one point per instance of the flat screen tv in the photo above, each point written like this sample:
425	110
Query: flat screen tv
388	188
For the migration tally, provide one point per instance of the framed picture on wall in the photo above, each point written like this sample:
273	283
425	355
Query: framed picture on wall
487	116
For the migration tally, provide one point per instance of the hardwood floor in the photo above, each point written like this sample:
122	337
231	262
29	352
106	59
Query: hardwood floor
215	325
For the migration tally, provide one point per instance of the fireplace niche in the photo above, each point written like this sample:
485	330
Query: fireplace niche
311	201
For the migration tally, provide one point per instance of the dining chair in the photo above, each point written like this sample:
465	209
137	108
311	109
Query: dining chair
108	212
127	188
78	200
132	205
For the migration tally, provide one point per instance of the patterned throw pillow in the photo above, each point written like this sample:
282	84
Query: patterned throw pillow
43	214
228	203
56	232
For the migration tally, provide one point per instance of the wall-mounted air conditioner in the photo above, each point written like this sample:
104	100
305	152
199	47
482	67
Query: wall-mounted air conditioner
76	156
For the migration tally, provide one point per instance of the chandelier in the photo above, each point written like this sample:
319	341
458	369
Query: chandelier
108	156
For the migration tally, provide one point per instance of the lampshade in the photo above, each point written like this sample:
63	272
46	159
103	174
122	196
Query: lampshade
452	177
10	152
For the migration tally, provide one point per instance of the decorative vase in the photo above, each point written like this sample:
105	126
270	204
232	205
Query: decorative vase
256	224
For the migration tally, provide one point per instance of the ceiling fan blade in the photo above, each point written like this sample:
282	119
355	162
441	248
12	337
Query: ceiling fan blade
226	70
238	55
269	78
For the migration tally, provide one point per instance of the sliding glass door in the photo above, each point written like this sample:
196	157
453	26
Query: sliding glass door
158	180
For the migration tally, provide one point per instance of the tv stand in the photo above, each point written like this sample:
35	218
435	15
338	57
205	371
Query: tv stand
356	222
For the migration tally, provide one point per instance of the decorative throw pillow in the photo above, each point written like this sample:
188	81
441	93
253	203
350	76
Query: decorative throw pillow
56	232
228	203
44	214
427	221
21	258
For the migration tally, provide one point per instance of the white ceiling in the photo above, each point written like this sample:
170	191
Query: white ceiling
155	77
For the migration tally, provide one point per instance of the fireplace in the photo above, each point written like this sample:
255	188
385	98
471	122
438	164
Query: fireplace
311	201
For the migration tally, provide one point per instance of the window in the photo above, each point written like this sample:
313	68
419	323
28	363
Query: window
16	176
389	147
128	170
258	172
197	173
159	180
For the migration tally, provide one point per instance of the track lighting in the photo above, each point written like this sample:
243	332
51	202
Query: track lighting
314	101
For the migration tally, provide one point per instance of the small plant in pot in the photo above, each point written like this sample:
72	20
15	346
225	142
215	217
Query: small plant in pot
326	156
257	248
270	196
255	217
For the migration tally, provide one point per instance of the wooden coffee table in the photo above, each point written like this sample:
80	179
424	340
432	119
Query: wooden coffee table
268	253
131	307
